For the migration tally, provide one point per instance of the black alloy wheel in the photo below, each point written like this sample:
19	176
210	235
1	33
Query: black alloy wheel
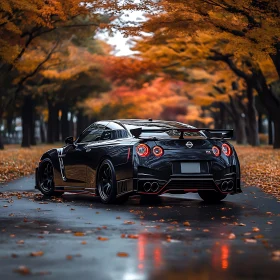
211	196
47	179
107	184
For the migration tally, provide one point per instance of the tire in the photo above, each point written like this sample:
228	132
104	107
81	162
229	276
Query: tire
107	183
46	179
211	196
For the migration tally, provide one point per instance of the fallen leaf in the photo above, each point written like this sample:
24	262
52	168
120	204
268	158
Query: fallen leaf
129	223
186	224
79	234
69	257
84	242
102	238
255	229
20	242
242	225
23	270
37	254
132	236
250	240
231	236
122	254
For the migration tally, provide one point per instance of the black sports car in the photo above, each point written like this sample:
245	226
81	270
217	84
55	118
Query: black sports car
117	158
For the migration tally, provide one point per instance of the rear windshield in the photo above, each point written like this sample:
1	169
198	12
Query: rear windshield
169	134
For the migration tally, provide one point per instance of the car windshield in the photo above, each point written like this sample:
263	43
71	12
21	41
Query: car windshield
168	134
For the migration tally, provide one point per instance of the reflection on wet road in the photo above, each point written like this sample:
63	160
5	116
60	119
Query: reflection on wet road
179	238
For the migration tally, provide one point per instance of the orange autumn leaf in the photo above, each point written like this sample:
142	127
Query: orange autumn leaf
122	254
37	254
102	238
79	234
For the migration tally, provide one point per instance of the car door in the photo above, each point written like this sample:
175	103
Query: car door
73	158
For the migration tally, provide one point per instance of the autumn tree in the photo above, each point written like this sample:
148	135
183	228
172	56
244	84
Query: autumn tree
22	23
250	29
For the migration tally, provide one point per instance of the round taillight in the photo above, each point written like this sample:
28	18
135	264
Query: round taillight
216	151
158	151
143	150
227	150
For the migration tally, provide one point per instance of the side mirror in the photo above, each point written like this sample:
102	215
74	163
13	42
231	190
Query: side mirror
136	132
69	140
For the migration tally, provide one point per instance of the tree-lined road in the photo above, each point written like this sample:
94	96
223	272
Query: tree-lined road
77	237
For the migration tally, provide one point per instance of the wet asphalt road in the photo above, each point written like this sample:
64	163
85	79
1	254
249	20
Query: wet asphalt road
81	238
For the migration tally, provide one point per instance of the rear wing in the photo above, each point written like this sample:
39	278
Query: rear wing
209	133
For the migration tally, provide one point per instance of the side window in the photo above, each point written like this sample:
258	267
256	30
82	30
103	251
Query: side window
92	134
106	135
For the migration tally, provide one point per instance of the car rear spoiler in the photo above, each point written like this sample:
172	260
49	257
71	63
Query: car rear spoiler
209	133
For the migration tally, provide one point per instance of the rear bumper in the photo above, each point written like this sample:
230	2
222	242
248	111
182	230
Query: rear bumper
229	184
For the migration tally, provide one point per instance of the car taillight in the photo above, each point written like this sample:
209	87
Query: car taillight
158	151
216	151
227	150
143	150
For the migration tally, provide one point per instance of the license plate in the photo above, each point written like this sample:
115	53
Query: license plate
190	167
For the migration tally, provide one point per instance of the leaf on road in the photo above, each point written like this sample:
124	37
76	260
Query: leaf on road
186	224
122	254
256	229
83	242
132	236
69	257
128	222
37	254
231	236
102	238
20	242
250	240
242	225
23	270
79	234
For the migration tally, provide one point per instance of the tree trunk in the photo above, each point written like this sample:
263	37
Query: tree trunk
42	131
33	124
240	131
260	123
9	124
270	100
64	122
270	131
57	125
26	116
51	122
276	58
276	143
252	117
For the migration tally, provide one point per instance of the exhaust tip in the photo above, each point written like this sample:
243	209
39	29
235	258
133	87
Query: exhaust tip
154	187
224	186
230	185
147	187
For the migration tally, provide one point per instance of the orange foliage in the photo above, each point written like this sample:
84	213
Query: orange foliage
150	101
16	162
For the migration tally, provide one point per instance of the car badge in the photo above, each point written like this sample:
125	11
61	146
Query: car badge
189	144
